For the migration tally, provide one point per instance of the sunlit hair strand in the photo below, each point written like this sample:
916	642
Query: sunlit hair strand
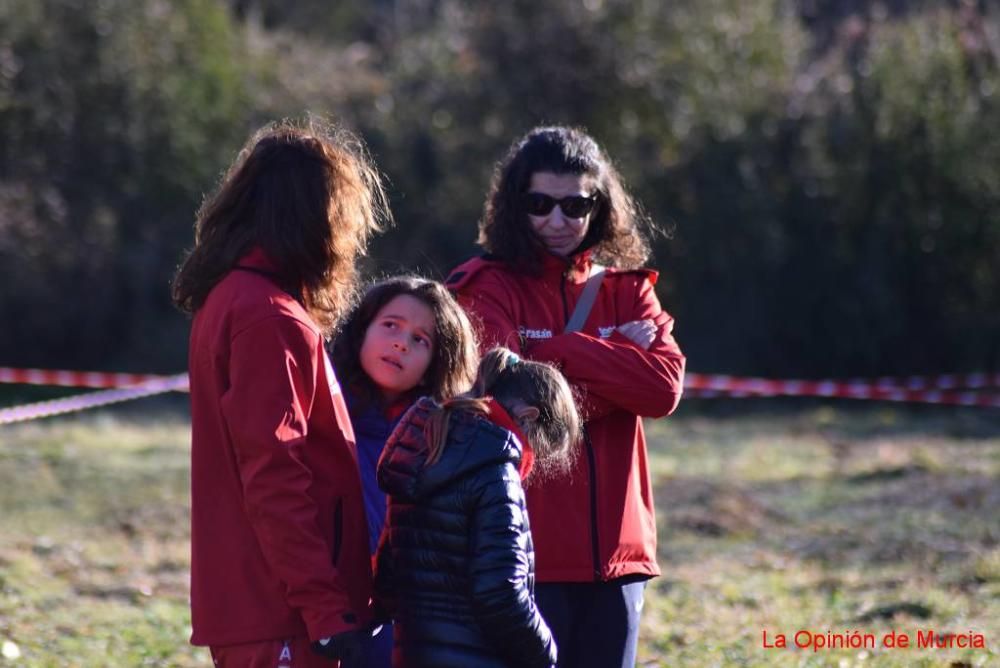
309	197
509	379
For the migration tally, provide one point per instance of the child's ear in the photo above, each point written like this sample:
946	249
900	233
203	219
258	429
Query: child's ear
526	412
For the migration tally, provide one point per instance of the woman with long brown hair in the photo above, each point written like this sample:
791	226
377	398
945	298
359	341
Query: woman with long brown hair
279	545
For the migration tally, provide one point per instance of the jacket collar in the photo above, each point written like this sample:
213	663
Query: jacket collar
474	441
575	268
256	258
500	417
259	262
396	409
361	405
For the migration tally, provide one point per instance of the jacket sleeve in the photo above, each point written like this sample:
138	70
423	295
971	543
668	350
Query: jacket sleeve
499	569
614	373
273	376
617	373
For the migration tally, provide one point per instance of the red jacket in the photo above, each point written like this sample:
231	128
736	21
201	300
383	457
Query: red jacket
279	544
598	523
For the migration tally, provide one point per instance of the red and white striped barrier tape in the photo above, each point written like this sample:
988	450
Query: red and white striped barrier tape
694	381
96	379
148	388
947	397
943	389
914	389
839	388
951	381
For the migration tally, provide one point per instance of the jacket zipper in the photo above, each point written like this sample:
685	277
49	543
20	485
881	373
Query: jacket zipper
595	549
338	530
591	459
562	293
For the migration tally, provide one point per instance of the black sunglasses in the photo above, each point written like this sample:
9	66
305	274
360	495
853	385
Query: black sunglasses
573	206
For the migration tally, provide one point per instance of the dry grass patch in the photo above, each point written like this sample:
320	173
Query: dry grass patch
824	520
842	519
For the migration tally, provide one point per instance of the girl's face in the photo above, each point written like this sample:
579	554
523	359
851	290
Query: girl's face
398	346
571	198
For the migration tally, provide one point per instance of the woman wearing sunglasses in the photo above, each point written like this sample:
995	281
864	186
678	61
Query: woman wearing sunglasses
562	282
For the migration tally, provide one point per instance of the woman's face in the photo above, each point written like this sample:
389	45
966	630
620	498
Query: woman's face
559	207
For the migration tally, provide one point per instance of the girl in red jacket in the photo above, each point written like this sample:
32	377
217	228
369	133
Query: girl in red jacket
279	546
563	282
455	562
407	337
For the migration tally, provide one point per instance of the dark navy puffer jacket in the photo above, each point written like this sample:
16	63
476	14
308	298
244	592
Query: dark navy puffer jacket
455	563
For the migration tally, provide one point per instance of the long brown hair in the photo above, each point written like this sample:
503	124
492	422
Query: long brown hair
618	231
455	352
309	197
508	378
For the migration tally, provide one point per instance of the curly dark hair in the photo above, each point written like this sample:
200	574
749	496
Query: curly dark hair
455	352
309	197
619	229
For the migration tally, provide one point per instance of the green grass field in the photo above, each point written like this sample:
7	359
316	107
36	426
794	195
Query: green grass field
814	519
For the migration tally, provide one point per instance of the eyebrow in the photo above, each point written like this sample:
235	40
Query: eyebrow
419	330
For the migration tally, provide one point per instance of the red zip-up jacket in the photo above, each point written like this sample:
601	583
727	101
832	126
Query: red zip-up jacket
279	544
597	523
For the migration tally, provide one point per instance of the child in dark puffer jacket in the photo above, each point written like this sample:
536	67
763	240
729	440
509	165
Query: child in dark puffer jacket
455	564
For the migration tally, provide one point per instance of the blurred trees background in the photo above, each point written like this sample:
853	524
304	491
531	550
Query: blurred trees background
829	171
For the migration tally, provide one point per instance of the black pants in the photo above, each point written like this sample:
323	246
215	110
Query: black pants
595	624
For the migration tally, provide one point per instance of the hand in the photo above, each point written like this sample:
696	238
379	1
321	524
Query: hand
640	332
346	646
